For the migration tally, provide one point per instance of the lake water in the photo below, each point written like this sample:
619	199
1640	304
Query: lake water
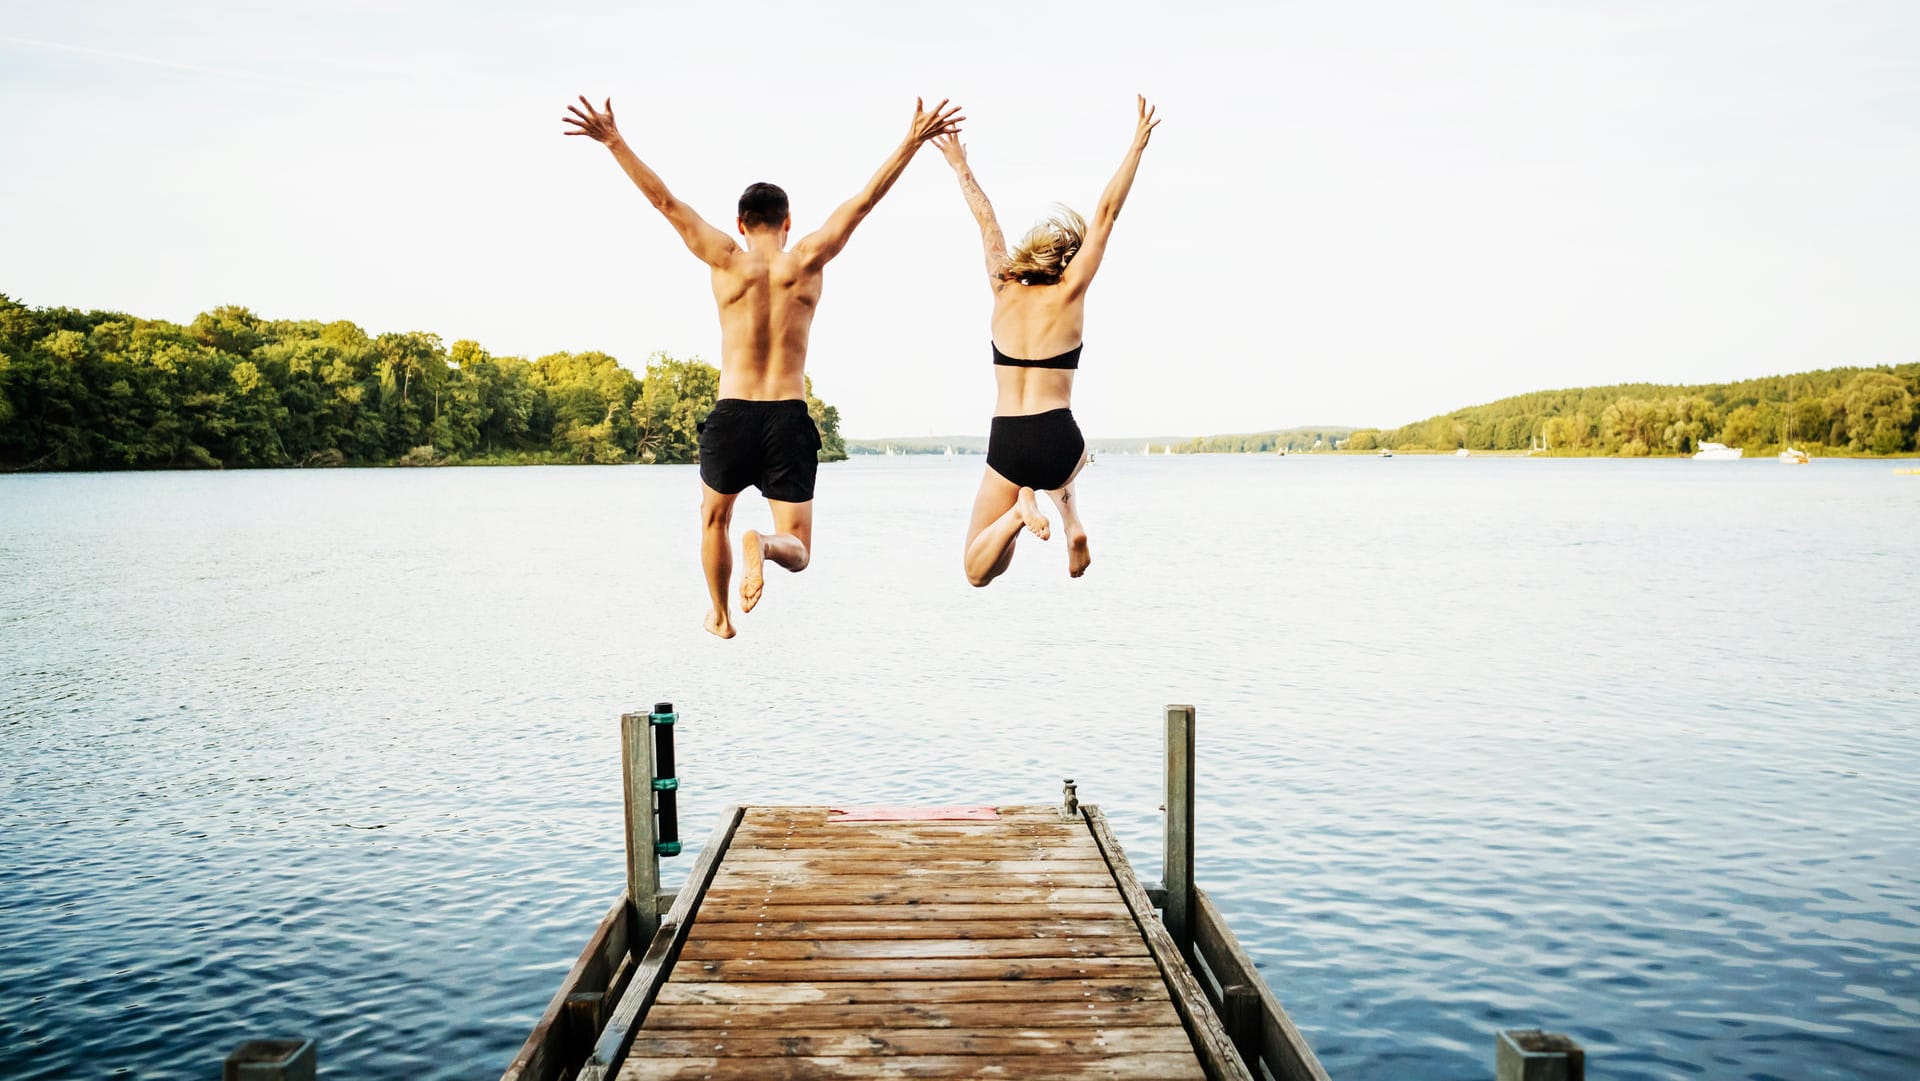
1624	749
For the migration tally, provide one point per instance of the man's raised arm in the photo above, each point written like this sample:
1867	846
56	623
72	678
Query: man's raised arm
826	242
702	239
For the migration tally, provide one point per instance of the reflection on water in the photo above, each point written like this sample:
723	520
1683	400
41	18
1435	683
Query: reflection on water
1620	748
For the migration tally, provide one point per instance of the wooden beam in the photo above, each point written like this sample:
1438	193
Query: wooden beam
1178	862
660	954
643	865
1210	1040
554	1047
1282	1047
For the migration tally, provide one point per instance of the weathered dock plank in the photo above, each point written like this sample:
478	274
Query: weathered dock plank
916	949
1102	1067
761	912
836	930
907	893
874	1016
735	949
700	1043
923	968
915	991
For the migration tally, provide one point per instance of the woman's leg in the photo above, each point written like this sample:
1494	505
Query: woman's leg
1000	510
1064	497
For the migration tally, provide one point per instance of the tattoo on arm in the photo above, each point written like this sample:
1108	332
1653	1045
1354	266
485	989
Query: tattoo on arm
990	235
982	210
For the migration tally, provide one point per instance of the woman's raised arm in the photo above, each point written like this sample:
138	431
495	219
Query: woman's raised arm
990	236
1079	273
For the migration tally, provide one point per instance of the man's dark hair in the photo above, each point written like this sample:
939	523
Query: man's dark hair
763	206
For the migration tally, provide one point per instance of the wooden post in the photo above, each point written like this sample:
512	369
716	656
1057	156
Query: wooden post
1532	1055
272	1060
1240	1013
643	862
1178	862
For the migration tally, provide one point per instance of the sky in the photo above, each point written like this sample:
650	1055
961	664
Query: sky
1356	214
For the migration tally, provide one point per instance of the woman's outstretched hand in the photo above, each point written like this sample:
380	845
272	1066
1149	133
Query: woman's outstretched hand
593	123
951	149
1143	130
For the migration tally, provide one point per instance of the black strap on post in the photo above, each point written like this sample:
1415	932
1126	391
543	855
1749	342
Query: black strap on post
666	785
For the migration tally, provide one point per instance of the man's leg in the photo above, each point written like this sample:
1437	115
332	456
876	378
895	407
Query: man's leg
716	555
790	545
1000	510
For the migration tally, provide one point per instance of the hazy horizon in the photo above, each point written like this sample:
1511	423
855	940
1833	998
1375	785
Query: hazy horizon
1372	214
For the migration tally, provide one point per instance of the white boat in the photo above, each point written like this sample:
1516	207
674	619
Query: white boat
1717	452
1462	453
1793	456
949	450
1385	453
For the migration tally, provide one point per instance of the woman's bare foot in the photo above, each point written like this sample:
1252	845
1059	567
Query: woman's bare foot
1078	557
753	575
1029	512
719	625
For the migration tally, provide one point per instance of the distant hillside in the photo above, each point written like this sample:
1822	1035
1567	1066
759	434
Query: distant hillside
1293	440
1834	411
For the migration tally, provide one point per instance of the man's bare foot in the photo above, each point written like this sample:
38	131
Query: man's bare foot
1029	512
752	570
719	625
1078	557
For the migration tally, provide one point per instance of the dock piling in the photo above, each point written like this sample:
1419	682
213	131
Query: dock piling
272	1060
1533	1055
643	859
1177	865
1240	1013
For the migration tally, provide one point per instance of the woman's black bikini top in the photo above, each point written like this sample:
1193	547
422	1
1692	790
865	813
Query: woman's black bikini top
1068	360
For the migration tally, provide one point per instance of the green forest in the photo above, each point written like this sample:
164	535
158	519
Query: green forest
103	390
1838	411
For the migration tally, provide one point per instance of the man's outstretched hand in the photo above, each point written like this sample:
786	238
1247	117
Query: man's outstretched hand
930	123
593	123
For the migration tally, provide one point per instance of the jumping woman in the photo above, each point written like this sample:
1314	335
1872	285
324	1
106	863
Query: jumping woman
1039	307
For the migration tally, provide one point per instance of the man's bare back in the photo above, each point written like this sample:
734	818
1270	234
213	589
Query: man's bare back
767	300
759	432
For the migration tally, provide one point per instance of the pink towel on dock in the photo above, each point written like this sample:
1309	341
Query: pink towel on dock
911	814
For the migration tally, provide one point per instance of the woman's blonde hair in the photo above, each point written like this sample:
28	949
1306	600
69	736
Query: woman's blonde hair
1043	254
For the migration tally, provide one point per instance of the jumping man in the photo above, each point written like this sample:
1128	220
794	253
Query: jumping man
759	432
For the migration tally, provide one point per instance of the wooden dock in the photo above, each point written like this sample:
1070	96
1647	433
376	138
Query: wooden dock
1012	942
921	949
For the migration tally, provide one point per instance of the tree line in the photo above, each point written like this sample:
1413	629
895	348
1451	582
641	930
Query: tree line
104	390
1291	440
1834	411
